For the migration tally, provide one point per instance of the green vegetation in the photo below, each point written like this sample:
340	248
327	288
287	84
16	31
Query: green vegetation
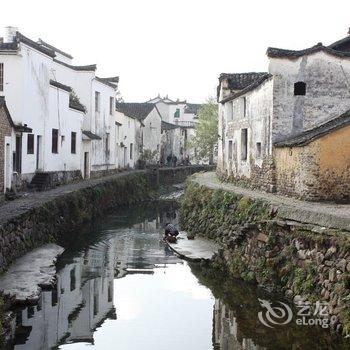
207	131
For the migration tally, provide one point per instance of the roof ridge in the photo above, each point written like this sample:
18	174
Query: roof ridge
89	67
248	88
275	52
42	42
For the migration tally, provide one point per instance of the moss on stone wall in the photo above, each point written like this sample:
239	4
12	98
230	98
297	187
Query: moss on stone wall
281	256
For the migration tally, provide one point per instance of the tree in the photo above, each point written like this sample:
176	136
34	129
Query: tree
206	137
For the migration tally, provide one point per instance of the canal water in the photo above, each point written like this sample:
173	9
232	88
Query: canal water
119	287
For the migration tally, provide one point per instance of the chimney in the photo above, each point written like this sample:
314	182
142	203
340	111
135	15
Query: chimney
10	33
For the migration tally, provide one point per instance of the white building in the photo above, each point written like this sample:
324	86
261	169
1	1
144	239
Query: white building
148	139
129	140
184	115
64	114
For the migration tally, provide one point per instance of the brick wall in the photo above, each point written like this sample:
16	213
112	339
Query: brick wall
5	130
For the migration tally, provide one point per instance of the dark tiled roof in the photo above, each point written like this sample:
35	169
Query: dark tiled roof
75	103
60	85
192	108
341	45
166	100
91	135
169	126
308	136
239	81
250	87
136	110
282	53
7	113
43	43
23	39
88	68
111	82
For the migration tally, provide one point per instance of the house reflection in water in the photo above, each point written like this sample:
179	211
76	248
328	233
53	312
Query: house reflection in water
226	335
81	300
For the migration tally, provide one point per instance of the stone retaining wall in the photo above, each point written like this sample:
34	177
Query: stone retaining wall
66	212
306	262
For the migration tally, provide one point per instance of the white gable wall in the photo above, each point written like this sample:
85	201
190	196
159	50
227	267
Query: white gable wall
327	96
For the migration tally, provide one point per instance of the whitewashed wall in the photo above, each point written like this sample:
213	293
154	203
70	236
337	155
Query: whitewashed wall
257	121
129	132
66	120
103	123
327	91
152	132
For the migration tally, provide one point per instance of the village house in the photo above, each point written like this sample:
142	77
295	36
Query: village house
129	139
287	130
146	143
184	115
172	143
64	113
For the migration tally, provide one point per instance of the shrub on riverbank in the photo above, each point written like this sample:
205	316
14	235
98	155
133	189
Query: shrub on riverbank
305	262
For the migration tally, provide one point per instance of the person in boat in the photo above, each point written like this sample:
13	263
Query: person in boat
170	231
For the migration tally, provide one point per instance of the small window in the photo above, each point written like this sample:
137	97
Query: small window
54	148
30	144
258	150
73	146
111	104
244	144
244	107
131	150
177	113
1	77
97	101
230	150
300	88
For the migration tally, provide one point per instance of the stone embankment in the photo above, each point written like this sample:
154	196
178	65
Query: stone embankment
41	217
265	241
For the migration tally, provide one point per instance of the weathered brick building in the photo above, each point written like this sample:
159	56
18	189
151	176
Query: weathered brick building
303	94
6	125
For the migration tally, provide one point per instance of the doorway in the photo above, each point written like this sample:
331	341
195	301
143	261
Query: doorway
86	165
8	170
39	165
17	166
125	156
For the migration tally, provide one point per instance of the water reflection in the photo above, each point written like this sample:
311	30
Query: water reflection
118	286
236	325
82	298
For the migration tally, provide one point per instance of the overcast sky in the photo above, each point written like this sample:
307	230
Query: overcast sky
176	47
